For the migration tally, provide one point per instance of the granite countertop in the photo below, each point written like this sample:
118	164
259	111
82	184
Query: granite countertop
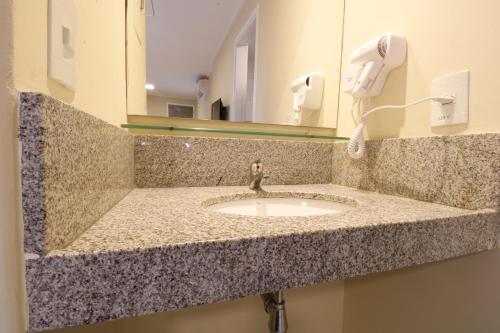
164	217
161	249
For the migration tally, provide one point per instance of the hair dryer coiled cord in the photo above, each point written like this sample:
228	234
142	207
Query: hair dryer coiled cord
356	147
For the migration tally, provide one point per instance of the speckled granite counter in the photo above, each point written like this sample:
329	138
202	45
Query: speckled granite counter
457	170
160	250
74	168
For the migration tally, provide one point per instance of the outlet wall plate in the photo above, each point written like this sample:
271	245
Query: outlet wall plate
456	84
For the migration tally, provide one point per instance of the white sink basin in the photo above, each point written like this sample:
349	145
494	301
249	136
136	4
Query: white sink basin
280	207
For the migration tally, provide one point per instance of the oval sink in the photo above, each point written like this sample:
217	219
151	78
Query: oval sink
272	206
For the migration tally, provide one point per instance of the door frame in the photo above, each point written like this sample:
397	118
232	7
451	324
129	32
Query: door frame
253	18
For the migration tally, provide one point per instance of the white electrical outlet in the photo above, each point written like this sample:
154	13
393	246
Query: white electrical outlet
456	85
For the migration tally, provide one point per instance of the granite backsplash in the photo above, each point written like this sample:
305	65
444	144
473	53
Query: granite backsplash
74	168
168	161
460	170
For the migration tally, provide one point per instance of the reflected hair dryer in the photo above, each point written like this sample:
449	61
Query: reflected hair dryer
370	64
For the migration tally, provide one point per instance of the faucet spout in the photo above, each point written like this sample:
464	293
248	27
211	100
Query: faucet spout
256	176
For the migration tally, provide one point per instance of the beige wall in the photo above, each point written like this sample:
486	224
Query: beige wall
293	38
315	309
11	267
100	56
157	105
222	76
443	36
459	296
136	58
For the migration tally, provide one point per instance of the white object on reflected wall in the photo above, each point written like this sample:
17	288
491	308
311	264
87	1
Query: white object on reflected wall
203	111
307	94
62	24
202	88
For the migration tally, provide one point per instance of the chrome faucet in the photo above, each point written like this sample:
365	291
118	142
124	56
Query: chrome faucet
256	175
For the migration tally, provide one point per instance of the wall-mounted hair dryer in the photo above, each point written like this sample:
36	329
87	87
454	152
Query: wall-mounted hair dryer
370	64
307	95
308	91
365	76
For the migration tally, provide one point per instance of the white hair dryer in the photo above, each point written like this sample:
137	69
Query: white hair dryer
307	94
370	64
365	76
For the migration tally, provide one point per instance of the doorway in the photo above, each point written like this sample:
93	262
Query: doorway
245	69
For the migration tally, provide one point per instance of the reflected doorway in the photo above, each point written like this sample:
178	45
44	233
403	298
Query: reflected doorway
245	51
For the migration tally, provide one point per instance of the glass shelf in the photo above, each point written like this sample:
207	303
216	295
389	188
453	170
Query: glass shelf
228	131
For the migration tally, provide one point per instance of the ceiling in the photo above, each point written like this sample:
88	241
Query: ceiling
183	39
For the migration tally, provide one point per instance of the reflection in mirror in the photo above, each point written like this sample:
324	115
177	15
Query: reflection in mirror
249	61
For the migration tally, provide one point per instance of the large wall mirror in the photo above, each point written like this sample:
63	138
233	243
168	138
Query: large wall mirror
235	60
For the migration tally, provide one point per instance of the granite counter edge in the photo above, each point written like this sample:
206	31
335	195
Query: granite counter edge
131	283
